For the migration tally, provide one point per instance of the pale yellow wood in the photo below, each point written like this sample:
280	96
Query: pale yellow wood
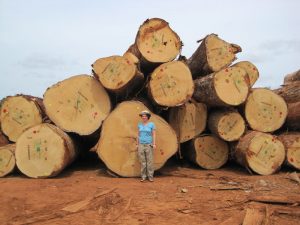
17	114
251	70
188	120
78	104
157	42
265	111
44	151
7	159
291	142
171	84
117	145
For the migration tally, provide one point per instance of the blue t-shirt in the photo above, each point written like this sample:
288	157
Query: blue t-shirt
145	132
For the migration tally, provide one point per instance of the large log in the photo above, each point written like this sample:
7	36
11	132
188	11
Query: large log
188	120
261	152
207	151
291	142
290	92
7	159
155	43
227	124
228	87
17	113
293	118
292	77
78	104
212	55
44	151
118	74
265	111
251	70
171	84
117	144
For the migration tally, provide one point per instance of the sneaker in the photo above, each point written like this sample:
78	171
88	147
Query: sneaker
142	180
151	179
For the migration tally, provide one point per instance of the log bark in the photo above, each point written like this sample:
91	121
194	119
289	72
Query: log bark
293	118
212	55
117	144
291	142
292	77
261	152
155	43
7	159
188	120
207	151
17	113
78	104
227	124
3	139
265	111
171	84
118	74
251	70
290	92
44	151
228	87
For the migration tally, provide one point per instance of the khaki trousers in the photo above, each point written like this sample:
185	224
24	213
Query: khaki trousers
145	153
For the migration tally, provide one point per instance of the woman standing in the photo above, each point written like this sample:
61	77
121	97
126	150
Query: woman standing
146	145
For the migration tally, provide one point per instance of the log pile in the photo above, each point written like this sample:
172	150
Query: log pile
210	104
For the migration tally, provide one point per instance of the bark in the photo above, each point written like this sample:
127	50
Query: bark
293	118
290	92
292	77
291	142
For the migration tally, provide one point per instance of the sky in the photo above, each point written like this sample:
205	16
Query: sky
45	41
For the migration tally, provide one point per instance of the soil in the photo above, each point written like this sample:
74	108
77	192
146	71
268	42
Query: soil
181	193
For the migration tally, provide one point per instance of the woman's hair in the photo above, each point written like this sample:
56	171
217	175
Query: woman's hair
148	115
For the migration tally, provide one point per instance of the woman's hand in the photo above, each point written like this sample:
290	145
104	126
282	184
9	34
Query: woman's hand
154	146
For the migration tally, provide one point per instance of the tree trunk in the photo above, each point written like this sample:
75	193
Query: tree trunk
290	92
265	111
212	55
251	70
117	144
171	84
261	152
188	120
155	43
44	151
207	151
228	87
19	113
290	78
78	104
118	74
227	124
293	118
291	142
3	139
7	159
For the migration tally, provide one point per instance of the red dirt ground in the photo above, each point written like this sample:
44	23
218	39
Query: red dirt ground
181	194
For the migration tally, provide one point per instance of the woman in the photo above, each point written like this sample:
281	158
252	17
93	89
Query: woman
146	145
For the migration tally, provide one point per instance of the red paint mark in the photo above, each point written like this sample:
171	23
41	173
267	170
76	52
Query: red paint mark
34	132
161	70
226	70
254	68
128	62
4	110
227	81
291	159
280	113
161	153
148	51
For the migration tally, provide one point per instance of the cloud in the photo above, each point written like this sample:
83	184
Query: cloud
281	46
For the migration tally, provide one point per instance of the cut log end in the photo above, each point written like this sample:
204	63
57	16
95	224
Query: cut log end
78	104
44	151
17	114
219	53
262	153
157	42
209	152
228	125
117	147
251	70
171	84
265	111
291	143
188	120
7	159
232	85
114	72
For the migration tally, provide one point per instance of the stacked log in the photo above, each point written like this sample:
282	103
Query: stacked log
18	113
7	159
44	151
117	144
291	142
